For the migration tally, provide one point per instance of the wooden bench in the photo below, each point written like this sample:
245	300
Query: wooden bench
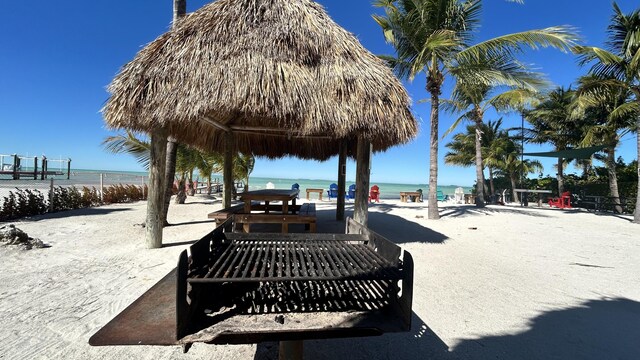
223	214
306	214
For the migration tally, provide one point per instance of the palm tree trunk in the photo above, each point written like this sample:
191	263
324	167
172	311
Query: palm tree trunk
179	10
479	168
636	213
514	187
170	174
433	158
181	196
560	176
613	178
155	200
491	185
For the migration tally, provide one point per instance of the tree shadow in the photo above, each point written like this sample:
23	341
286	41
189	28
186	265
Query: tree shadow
181	243
608	328
77	212
395	228
191	223
418	343
472	210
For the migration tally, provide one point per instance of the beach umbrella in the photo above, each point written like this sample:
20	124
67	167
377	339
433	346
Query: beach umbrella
269	78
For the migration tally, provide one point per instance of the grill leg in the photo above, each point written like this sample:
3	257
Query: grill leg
290	350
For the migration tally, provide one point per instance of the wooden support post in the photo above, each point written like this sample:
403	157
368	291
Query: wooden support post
51	196
155	200
291	350
101	187
228	169
35	168
16	165
68	169
44	168
363	171
342	176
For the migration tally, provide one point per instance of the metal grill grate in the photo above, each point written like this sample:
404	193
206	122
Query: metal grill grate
297	260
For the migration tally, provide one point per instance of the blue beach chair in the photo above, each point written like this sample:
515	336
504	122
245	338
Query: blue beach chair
296	186
351	193
333	191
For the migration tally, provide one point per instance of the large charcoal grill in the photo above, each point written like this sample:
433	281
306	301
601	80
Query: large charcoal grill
247	288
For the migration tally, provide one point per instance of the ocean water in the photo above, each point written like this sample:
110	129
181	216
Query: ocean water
89	178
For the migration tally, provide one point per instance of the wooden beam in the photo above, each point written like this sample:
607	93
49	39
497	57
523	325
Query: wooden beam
228	169
363	172
214	123
342	177
155	199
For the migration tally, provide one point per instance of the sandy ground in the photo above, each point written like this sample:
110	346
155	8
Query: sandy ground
501	283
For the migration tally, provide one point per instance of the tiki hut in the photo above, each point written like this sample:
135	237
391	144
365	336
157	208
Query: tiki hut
264	77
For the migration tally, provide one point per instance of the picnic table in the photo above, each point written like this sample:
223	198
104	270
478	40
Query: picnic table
319	191
406	195
259	210
523	197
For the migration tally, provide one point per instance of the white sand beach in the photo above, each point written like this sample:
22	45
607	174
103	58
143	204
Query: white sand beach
500	282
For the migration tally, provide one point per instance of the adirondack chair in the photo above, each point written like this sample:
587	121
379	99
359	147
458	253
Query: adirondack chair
440	195
333	191
374	194
351	193
562	202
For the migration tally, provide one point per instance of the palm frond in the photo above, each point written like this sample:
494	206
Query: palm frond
129	144
563	38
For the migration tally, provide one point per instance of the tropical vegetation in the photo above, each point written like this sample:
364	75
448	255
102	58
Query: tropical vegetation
435	37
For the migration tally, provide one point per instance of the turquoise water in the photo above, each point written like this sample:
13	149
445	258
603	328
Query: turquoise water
92	178
387	190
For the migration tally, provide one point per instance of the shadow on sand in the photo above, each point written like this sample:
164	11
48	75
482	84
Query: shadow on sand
395	228
596	329
418	343
76	212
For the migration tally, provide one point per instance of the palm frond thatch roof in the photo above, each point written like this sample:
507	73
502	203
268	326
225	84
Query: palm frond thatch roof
280	74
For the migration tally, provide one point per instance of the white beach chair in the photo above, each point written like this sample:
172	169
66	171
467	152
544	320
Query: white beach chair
458	195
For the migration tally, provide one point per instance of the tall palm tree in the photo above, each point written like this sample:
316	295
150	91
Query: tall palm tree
617	67
552	122
463	148
179	10
606	129
429	34
510	164
473	99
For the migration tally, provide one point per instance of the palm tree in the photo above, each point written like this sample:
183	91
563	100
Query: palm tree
462	148
179	10
552	122
617	67
129	144
510	164
473	99
606	129
428	35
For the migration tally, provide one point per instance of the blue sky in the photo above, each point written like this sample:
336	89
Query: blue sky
58	57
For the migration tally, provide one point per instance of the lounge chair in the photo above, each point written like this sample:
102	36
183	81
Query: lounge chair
563	202
374	194
333	191
440	196
296	186
351	193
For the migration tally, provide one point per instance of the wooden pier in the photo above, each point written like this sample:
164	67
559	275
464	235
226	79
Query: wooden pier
42	172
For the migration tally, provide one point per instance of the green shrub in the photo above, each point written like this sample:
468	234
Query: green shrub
23	202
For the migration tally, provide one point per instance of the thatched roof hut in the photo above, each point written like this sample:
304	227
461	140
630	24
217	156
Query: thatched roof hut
281	75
